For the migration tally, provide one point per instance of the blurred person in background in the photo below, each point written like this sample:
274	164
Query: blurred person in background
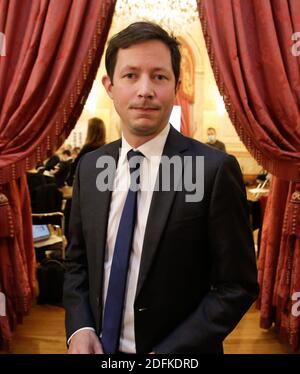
213	141
62	170
95	138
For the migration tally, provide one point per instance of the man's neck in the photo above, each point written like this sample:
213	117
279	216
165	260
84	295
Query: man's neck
136	141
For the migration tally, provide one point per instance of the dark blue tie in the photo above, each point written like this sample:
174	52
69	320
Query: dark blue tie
113	310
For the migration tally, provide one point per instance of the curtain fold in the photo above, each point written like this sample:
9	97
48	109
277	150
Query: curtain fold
53	51
279	262
270	248
250	47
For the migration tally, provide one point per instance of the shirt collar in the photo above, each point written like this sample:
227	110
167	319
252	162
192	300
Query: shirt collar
153	147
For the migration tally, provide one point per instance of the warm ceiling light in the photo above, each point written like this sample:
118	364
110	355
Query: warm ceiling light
173	15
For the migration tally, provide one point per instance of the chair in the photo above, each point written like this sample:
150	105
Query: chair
257	205
46	198
54	244
46	205
50	256
262	187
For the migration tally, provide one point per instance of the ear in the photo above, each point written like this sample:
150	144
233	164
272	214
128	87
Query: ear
177	86
108	85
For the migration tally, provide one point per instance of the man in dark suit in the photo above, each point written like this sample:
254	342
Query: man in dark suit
192	273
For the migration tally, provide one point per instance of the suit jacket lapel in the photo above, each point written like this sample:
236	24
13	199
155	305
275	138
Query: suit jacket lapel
159	209
102	206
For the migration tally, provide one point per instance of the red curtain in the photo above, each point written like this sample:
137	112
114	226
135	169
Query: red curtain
249	43
270	248
279	267
53	51
250	48
185	113
17	261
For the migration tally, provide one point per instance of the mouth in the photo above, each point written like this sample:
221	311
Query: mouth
145	108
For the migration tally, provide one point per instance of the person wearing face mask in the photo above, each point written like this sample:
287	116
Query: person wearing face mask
212	140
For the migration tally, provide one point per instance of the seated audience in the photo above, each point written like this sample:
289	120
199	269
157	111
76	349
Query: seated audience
62	170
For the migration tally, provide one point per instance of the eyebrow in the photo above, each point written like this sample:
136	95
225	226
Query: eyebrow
135	68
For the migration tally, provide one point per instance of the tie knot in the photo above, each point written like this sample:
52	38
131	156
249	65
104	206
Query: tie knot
135	159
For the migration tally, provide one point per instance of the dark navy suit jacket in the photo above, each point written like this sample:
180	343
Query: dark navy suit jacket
197	276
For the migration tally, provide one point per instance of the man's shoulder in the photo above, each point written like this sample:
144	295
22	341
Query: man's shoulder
217	145
190	145
203	149
214	158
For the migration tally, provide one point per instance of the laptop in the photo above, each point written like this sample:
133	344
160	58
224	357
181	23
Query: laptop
40	233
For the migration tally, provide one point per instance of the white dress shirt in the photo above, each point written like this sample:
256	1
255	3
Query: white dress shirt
152	150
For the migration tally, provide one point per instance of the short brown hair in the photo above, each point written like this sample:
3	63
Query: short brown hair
212	129
95	132
136	33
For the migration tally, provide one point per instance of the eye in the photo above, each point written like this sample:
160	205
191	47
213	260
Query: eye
130	75
160	77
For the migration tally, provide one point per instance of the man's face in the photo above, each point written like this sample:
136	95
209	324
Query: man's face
211	132
143	88
211	136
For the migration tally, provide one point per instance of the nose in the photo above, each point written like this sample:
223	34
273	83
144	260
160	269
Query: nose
145	88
